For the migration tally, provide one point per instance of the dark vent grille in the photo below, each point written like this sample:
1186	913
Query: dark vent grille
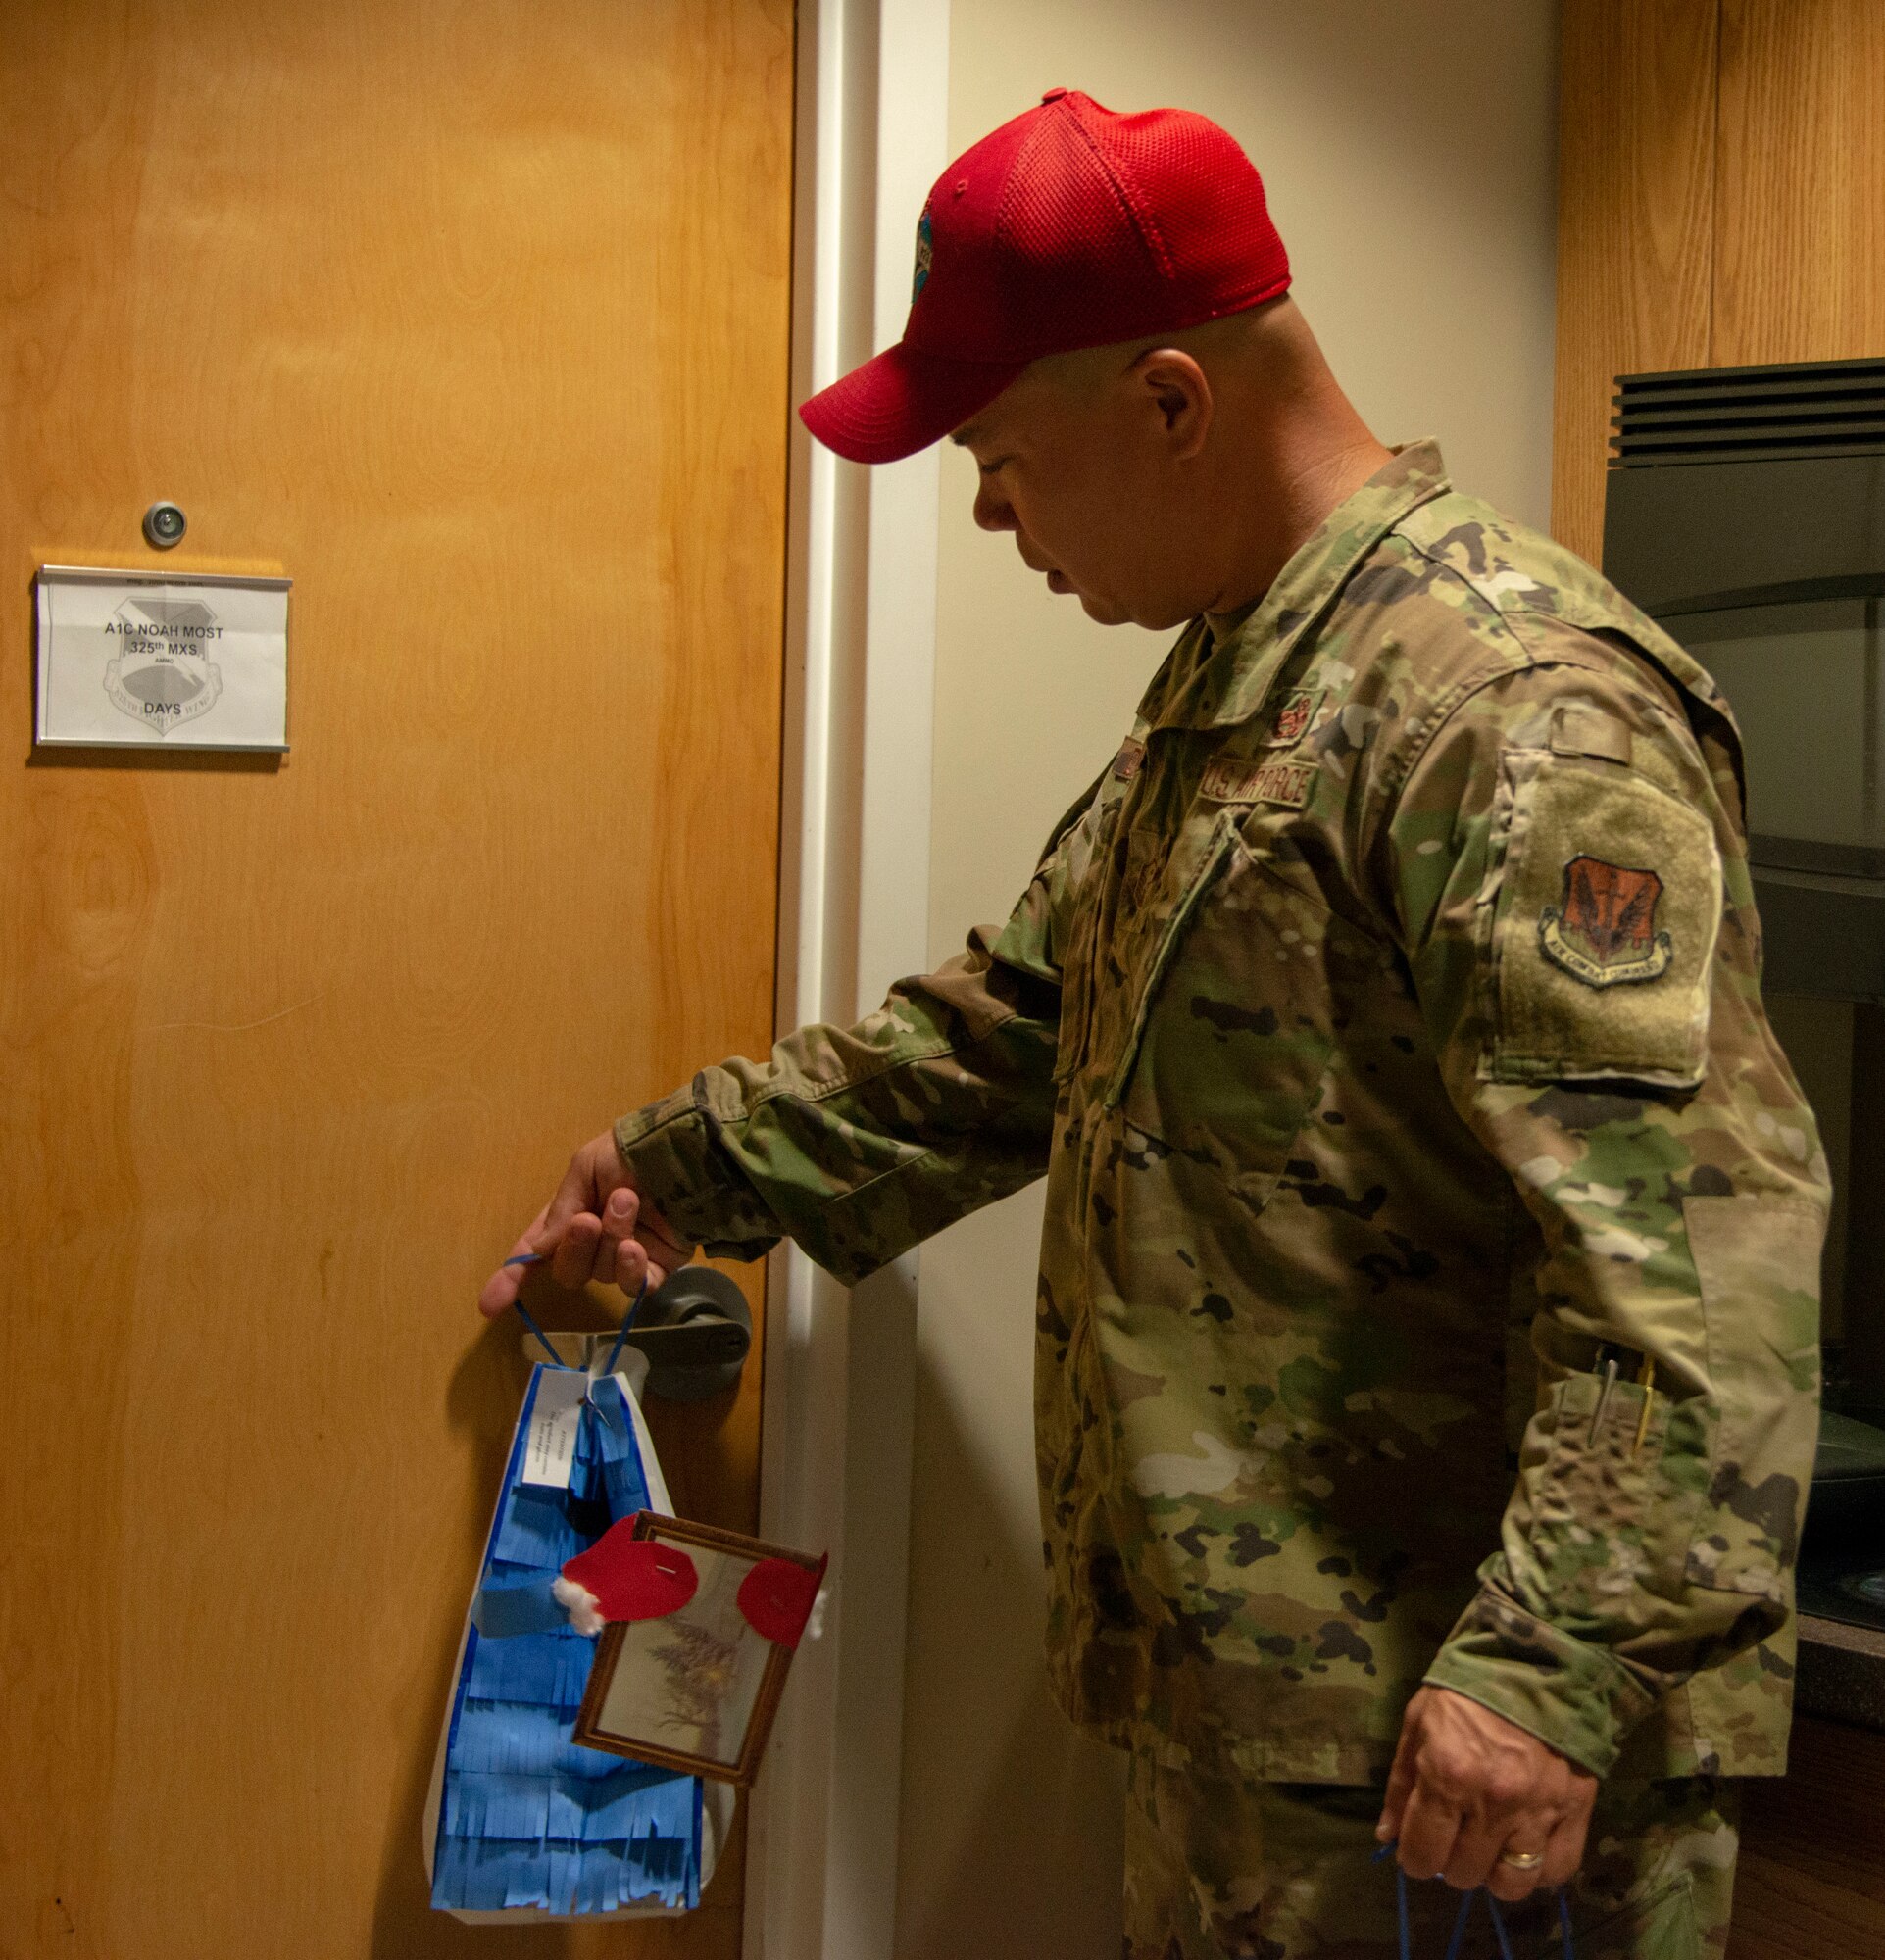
1719	414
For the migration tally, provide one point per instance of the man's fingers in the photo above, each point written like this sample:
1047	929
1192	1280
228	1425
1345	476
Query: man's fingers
595	1227
575	1195
1564	1850
1484	1841
1469	1863
575	1258
1513	1882
1429	1824
501	1290
627	1232
619	1213
594	1172
631	1265
1405	1772
1399	1788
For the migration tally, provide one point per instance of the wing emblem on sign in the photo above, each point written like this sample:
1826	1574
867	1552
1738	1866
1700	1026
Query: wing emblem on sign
161	674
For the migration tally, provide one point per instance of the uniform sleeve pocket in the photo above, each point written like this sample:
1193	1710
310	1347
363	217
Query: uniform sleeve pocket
1604	913
1757	1261
1595	1489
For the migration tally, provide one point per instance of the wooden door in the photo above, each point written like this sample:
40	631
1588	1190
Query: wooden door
470	318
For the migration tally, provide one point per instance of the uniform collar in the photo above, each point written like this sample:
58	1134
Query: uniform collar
1207	685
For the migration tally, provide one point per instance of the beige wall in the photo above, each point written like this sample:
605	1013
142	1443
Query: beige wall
1408	146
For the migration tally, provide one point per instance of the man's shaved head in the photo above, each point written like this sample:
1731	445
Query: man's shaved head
1172	475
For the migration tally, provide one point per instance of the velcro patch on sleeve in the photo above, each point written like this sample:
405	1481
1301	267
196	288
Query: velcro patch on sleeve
1605	918
1580	730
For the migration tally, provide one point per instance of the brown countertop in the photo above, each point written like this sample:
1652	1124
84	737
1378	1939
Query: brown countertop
1841	1672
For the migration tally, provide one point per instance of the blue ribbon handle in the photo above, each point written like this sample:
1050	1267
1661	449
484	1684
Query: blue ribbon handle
1458	1939
621	1333
543	1340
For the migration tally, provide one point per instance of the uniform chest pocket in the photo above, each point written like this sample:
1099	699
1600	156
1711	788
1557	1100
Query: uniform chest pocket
1086	847
1228	1045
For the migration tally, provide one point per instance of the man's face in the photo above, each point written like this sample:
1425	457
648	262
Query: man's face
1074	461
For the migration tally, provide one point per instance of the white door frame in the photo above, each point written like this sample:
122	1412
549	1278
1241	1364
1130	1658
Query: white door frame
860	611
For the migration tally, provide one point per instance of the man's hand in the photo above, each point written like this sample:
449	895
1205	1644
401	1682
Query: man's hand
1469	1785
595	1228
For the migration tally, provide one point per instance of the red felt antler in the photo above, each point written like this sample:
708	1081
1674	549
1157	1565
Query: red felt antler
776	1598
632	1578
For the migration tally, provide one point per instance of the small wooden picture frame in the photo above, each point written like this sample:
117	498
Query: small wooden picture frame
697	1689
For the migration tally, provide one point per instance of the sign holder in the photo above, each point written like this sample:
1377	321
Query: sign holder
161	659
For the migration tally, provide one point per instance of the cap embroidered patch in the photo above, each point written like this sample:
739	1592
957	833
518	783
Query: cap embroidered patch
1235	779
1294	718
925	254
1125	765
1604	933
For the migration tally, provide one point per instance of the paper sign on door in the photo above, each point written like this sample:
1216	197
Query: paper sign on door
142	659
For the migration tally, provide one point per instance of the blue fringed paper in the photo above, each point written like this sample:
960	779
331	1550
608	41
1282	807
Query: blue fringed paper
528	1820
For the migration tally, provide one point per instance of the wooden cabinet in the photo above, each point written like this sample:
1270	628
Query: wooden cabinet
1812	1881
1799	262
1722	202
1635	224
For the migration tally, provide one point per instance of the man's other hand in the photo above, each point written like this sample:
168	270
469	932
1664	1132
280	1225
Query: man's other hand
595	1228
1469	1785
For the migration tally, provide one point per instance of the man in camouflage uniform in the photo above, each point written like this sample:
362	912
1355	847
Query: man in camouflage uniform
1427	1314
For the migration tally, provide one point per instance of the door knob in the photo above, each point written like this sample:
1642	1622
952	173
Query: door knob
695	1329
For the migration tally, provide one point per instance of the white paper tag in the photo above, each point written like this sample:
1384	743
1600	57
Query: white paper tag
550	1450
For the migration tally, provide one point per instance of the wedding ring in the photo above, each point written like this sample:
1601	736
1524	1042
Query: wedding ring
1522	1861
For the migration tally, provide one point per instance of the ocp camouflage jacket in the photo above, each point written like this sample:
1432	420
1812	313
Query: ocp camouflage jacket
1429	1282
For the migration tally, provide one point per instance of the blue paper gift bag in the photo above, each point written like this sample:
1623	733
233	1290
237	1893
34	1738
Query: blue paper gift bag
521	1822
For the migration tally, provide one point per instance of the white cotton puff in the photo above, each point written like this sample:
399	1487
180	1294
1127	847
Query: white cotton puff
581	1605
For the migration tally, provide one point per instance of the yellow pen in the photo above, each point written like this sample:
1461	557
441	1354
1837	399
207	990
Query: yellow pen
1646	1380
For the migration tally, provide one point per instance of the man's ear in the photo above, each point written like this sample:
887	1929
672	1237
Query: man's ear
1179	391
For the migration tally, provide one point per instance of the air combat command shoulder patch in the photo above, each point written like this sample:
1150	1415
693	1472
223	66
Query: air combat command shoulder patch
1606	902
1604	933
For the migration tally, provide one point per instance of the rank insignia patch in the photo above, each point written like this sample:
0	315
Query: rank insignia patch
1294	718
1604	932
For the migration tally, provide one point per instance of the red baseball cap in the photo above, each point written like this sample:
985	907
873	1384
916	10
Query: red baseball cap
1069	226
